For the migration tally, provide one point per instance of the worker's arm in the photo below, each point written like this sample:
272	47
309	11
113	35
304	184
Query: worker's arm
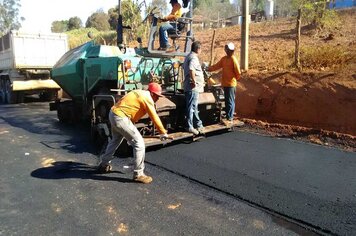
216	66
236	68
192	78
151	110
174	13
192	65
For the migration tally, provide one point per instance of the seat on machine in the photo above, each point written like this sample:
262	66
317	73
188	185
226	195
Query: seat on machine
176	33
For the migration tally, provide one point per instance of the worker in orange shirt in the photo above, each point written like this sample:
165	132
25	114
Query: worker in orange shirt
163	35
230	74
122	116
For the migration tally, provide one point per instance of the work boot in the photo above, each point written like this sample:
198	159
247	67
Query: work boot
201	130
145	179
239	123
104	168
193	131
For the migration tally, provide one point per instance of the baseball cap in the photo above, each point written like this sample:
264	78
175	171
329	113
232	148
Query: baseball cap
230	46
155	88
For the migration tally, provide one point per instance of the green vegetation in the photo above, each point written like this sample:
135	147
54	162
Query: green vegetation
80	36
9	16
326	56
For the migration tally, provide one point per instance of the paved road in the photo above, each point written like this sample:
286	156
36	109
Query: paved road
308	183
48	185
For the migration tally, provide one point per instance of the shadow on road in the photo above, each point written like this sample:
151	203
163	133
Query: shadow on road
75	170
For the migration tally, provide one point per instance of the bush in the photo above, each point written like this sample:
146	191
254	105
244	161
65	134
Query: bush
326	56
80	36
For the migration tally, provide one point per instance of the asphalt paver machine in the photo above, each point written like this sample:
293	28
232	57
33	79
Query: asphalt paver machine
97	76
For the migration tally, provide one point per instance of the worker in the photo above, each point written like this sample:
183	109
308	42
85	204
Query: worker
174	15
230	74
122	116
193	85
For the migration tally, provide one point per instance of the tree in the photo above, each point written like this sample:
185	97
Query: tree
131	15
9	16
161	5
257	5
284	8
215	9
74	23
59	26
113	16
98	20
315	13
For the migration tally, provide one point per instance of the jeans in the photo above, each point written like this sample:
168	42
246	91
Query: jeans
192	113
229	102
163	35
122	127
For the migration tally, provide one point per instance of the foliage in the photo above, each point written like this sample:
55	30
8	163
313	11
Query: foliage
113	16
131	15
215	9
326	56
284	8
74	23
9	13
257	5
79	36
59	26
98	20
316	13
161	5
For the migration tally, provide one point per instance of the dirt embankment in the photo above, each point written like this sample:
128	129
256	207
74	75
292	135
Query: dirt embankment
318	104
314	100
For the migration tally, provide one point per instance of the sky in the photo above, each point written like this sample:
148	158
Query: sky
39	14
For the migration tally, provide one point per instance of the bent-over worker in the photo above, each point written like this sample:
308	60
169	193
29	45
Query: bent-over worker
122	116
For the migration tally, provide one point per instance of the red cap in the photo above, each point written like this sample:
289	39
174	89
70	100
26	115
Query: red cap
155	88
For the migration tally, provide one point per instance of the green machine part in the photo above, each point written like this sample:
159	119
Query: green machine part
91	69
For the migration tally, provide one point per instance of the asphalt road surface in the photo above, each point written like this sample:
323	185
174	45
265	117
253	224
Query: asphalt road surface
235	183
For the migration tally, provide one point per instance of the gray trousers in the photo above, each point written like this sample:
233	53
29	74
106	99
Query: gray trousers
122	127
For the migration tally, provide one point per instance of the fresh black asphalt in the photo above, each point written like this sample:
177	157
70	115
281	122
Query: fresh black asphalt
229	184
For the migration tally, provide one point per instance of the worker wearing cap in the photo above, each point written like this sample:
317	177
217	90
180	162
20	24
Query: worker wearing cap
174	15
230	74
122	116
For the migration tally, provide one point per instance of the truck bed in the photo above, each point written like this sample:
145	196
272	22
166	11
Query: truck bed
31	50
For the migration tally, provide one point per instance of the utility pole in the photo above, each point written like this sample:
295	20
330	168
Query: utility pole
119	29
245	34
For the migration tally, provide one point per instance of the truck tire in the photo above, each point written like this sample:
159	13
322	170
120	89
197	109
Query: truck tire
10	96
68	113
63	112
2	90
50	95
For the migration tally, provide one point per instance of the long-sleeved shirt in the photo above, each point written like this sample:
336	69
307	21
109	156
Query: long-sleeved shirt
175	13
230	70
135	105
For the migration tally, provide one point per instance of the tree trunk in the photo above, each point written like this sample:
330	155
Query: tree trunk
297	40
212	53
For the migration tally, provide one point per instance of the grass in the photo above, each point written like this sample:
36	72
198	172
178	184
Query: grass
325	56
80	36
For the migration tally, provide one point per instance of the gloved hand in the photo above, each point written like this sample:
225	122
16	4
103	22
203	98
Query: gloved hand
205	65
165	137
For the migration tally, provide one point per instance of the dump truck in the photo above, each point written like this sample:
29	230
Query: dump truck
25	63
96	76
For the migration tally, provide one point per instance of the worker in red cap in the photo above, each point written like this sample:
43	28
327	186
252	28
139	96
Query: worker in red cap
122	116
